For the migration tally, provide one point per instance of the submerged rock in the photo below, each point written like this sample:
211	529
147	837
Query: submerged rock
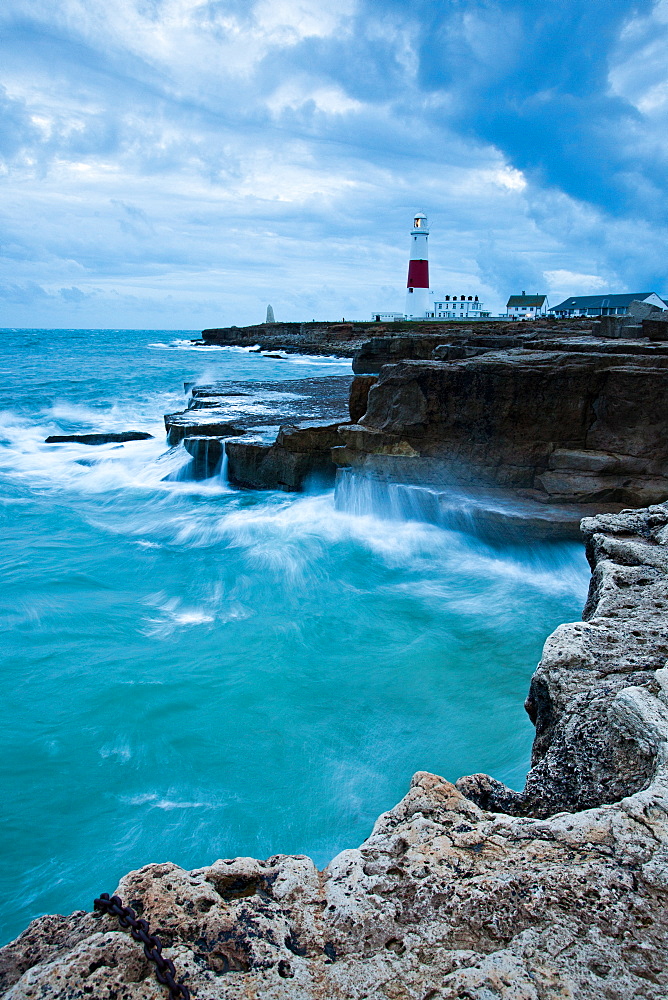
100	437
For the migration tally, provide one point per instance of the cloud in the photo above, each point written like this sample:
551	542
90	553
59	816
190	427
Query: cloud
18	129
133	220
26	294
73	294
228	154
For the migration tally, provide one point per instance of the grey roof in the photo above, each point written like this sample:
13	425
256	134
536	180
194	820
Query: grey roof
600	301
525	300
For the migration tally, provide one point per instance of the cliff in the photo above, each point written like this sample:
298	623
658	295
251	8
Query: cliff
342	339
453	895
427	341
563	427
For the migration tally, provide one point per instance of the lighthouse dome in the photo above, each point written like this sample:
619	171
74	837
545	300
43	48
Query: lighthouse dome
420	224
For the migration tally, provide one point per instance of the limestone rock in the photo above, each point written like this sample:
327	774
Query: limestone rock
204	423
341	339
587	748
207	452
428	343
656	328
220	411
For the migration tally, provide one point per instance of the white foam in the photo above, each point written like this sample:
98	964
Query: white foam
153	800
145	464
188	345
170	614
121	751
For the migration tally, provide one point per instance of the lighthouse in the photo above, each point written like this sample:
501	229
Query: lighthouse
420	300
417	294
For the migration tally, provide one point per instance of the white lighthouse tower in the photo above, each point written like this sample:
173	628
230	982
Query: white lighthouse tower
417	294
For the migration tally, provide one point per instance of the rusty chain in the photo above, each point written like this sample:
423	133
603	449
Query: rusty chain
165	971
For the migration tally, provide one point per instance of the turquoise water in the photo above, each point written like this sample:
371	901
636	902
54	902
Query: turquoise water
192	672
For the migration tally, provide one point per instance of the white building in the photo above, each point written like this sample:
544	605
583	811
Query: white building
527	306
458	307
388	317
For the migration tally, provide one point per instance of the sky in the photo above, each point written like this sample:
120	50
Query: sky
178	164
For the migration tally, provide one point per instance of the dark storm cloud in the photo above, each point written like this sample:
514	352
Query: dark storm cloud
532	78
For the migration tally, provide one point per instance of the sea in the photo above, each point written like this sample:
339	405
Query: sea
192	671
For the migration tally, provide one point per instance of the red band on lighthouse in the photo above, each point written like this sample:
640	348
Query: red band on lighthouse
418	274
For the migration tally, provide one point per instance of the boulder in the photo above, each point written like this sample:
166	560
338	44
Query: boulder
455	352
617	327
639	311
656	328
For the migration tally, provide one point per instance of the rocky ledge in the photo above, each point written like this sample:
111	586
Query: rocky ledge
584	427
470	891
372	345
340	339
275	435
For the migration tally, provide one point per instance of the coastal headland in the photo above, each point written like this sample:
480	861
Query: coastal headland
504	426
467	890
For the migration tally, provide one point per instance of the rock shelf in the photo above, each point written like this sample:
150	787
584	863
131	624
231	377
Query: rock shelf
340	339
276	435
467	891
563	415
